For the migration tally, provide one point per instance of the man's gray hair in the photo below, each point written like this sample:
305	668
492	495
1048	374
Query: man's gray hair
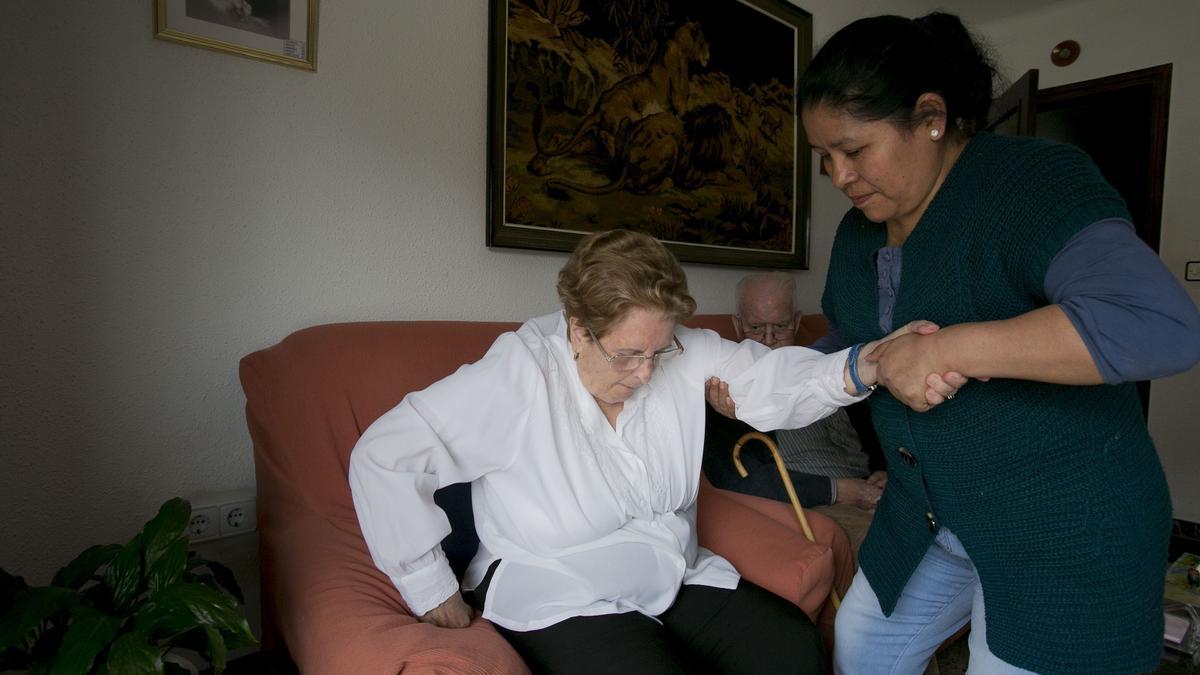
778	281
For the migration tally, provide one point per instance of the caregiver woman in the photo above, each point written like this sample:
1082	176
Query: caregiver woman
1032	504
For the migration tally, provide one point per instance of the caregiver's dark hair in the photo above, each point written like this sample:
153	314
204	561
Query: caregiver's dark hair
876	69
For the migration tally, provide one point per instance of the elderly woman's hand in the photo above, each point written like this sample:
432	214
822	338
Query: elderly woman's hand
716	393
453	613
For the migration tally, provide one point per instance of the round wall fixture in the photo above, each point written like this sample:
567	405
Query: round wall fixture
1064	53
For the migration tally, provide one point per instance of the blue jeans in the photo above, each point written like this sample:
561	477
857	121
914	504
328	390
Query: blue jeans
942	595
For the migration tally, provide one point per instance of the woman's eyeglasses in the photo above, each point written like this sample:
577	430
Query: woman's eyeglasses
628	362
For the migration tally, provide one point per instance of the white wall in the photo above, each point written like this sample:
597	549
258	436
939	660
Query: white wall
167	209
1117	37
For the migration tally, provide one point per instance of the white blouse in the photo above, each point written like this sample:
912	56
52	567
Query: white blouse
586	519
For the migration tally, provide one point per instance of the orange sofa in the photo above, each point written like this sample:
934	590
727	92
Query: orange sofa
310	397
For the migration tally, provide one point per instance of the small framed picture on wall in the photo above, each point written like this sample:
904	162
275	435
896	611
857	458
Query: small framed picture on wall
278	31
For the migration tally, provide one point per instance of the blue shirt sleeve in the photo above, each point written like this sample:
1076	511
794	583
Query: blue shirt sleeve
1137	321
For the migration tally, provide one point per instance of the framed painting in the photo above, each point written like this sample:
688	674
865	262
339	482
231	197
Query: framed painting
279	31
671	117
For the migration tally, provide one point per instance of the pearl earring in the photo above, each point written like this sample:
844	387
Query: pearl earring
933	133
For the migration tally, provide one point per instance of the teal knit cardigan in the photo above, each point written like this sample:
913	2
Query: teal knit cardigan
1055	491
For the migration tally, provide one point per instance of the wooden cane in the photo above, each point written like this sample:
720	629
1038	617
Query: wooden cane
787	484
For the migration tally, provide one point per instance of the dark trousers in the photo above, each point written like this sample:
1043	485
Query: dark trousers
707	630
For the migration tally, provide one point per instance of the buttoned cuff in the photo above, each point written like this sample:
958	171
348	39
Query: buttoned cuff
429	586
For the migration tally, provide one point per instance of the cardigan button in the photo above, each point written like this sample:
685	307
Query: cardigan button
930	522
907	456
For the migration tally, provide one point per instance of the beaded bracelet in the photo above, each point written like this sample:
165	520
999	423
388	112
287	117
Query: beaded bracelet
852	365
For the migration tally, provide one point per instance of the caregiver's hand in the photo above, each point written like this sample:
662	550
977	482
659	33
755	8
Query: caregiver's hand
897	362
911	367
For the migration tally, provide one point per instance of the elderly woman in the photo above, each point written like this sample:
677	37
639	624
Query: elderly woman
582	434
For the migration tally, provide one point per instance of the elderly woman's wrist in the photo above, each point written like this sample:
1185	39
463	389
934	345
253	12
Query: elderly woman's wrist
862	379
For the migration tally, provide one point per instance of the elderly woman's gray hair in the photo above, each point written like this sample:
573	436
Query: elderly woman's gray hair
612	272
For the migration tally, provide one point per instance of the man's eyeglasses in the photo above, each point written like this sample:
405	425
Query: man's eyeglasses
628	362
758	330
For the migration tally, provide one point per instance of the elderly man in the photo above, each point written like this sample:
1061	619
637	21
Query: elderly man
825	460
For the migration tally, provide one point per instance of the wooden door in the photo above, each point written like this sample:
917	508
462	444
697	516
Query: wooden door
1014	113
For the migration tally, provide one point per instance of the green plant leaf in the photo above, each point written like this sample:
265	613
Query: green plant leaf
124	575
80	570
182	606
168	568
243	637
90	632
221	576
29	609
163	618
164	529
133	653
217	652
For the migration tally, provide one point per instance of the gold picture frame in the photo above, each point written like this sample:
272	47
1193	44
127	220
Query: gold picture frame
277	31
674	118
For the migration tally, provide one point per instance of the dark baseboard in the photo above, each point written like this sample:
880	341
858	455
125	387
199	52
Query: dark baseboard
1185	538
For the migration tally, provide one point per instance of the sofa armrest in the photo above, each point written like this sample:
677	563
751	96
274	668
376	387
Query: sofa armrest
337	613
764	542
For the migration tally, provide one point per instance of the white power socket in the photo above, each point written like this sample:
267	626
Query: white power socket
222	514
204	523
238	517
1192	271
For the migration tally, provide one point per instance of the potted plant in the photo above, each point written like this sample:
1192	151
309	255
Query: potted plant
121	609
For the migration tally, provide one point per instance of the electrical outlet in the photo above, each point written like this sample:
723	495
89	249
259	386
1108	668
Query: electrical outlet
204	523
1192	271
237	517
222	514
